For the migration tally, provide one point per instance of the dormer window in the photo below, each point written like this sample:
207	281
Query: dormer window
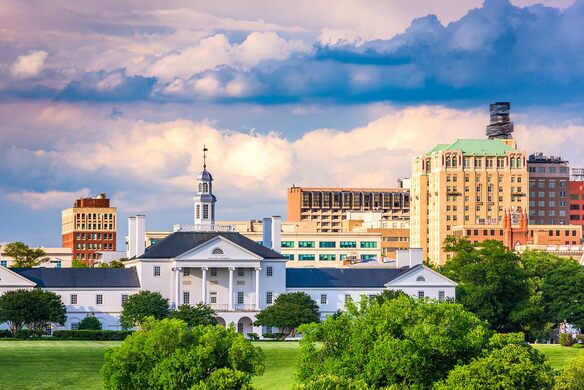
217	251
420	279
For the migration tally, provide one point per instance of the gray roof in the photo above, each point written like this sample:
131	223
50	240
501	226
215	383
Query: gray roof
81	277
180	242
204	175
341	277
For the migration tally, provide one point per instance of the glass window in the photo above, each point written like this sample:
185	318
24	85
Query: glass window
240	272
240	297
348	244
186	272
213	271
327	257
124	298
327	244
205	211
289	257
306	257
323	299
186	298
73	299
421	294
270	271
156	270
347	298
367	257
287	244
99	299
269	298
441	296
368	244
213	297
305	244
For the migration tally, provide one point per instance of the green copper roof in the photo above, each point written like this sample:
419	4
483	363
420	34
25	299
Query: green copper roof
475	147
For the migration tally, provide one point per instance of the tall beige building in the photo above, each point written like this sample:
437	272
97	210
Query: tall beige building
468	182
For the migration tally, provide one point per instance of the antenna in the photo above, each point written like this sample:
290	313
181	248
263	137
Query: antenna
205	150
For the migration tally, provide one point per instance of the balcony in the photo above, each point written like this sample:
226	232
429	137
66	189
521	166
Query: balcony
219	307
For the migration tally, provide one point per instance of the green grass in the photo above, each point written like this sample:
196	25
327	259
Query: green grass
557	355
280	365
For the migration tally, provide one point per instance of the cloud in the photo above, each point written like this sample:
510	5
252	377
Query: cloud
46	200
29	65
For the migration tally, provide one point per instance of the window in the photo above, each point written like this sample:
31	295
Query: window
347	298
186	298
269	271
205	211
367	257
327	244
323	299
305	244
213	271
186	272
99	299
240	327
156	270
420	294
441	296
240	272
213	297
240	297
124	298
198	211
217	251
73	299
348	244
327	257
269	298
287	244
368	244
289	257
420	279
306	257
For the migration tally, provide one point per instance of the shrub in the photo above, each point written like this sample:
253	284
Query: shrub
572	376
577	346
278	336
89	323
29	333
108	335
4	334
253	336
580	338
566	339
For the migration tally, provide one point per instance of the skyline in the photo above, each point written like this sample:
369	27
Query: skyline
120	99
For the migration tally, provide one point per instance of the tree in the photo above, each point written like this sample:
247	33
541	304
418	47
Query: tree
514	366
491	282
200	314
572	376
90	322
35	309
113	264
142	305
23	256
167	354
400	342
288	312
77	263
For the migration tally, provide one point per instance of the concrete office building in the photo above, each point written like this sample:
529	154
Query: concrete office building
548	190
470	181
89	227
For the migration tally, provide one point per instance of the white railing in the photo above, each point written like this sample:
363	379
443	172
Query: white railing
203	228
218	307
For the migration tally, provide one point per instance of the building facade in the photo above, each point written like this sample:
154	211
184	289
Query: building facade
327	207
89	227
576	197
548	190
57	257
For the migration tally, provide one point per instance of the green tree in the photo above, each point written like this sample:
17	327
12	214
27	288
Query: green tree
572	376
514	366
563	293
200	314
491	282
113	264
35	309
142	305
288	312
24	256
77	263
90	322
167	354
401	342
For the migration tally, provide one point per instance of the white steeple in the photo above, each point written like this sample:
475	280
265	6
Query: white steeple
204	199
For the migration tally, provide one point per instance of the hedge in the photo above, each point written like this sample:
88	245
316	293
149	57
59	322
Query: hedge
91	334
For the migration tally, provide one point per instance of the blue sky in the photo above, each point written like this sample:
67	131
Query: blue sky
119	96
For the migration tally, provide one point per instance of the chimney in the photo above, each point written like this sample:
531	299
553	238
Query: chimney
140	235
267	232
415	257
402	258
276	233
131	250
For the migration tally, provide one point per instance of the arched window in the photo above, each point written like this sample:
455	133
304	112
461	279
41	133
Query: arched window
454	161
200	187
420	279
518	163
217	251
205	187
447	161
512	161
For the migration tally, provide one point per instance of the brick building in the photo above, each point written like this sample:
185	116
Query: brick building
576	197
548	190
89	227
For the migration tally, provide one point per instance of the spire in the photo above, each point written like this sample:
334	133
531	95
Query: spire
205	150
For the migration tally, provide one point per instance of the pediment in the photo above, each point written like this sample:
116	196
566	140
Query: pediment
217	249
421	276
9	278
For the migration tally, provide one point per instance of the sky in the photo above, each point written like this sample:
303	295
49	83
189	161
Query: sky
120	96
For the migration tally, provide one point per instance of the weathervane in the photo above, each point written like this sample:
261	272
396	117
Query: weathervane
205	157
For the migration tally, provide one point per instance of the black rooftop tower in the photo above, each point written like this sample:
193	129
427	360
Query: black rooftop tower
501	126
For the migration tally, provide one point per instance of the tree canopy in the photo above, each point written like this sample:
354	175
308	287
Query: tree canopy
35	309
90	322
142	305
406	343
24	256
199	314
167	354
113	264
288	312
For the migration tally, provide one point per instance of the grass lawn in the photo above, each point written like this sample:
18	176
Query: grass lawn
558	356
280	365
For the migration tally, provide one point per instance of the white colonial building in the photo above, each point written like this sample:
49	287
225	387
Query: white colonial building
215	265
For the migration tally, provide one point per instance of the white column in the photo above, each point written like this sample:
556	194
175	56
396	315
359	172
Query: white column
204	285
177	271
231	269
257	288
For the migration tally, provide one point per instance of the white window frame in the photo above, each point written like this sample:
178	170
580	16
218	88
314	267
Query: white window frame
421	294
441	296
73	299
269	298
269	271
213	297
240	298
99	299
125	298
156	271
186	298
323	299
